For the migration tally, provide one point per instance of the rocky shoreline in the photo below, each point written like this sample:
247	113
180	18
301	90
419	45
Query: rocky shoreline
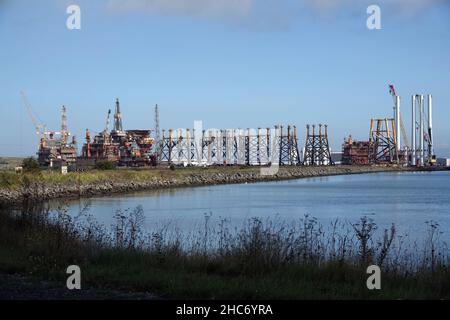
36	191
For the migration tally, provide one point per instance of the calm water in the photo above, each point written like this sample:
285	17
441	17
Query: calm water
406	199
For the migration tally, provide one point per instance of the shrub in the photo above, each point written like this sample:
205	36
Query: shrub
104	165
30	164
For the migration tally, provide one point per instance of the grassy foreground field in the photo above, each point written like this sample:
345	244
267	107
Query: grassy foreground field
260	261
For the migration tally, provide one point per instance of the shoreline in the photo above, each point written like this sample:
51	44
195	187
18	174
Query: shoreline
49	185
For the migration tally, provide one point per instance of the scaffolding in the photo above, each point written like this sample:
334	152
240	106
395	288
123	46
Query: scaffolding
288	147
317	148
383	142
251	147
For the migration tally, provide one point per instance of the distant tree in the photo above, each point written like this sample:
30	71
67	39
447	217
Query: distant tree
104	165
30	164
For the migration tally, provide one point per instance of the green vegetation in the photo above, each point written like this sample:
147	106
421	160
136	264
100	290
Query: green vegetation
263	260
30	165
10	180
104	165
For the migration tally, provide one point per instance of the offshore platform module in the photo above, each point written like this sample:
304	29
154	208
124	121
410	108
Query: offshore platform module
388	139
55	149
124	147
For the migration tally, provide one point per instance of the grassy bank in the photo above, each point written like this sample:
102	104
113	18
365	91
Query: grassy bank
45	185
11	180
262	260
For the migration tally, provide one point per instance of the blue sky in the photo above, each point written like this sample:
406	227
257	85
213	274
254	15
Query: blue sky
230	63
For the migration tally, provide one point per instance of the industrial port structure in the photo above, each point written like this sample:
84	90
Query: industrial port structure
124	147
251	147
385	137
55	149
231	147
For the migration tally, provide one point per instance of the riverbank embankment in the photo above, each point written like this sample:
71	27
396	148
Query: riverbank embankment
46	185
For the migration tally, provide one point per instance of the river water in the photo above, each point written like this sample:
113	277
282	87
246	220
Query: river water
407	199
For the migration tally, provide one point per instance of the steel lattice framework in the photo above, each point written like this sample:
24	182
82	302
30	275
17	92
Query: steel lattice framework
288	147
231	147
382	141
317	148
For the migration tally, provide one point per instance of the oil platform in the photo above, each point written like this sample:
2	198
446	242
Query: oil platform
56	149
131	148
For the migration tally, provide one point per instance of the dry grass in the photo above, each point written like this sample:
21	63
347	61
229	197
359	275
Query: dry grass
9	179
263	259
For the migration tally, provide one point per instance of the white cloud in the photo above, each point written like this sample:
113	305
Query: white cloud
202	8
410	7
268	14
415	6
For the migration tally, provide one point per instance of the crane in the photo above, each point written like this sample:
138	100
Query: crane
155	153
157	137
402	126
64	131
40	128
107	121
